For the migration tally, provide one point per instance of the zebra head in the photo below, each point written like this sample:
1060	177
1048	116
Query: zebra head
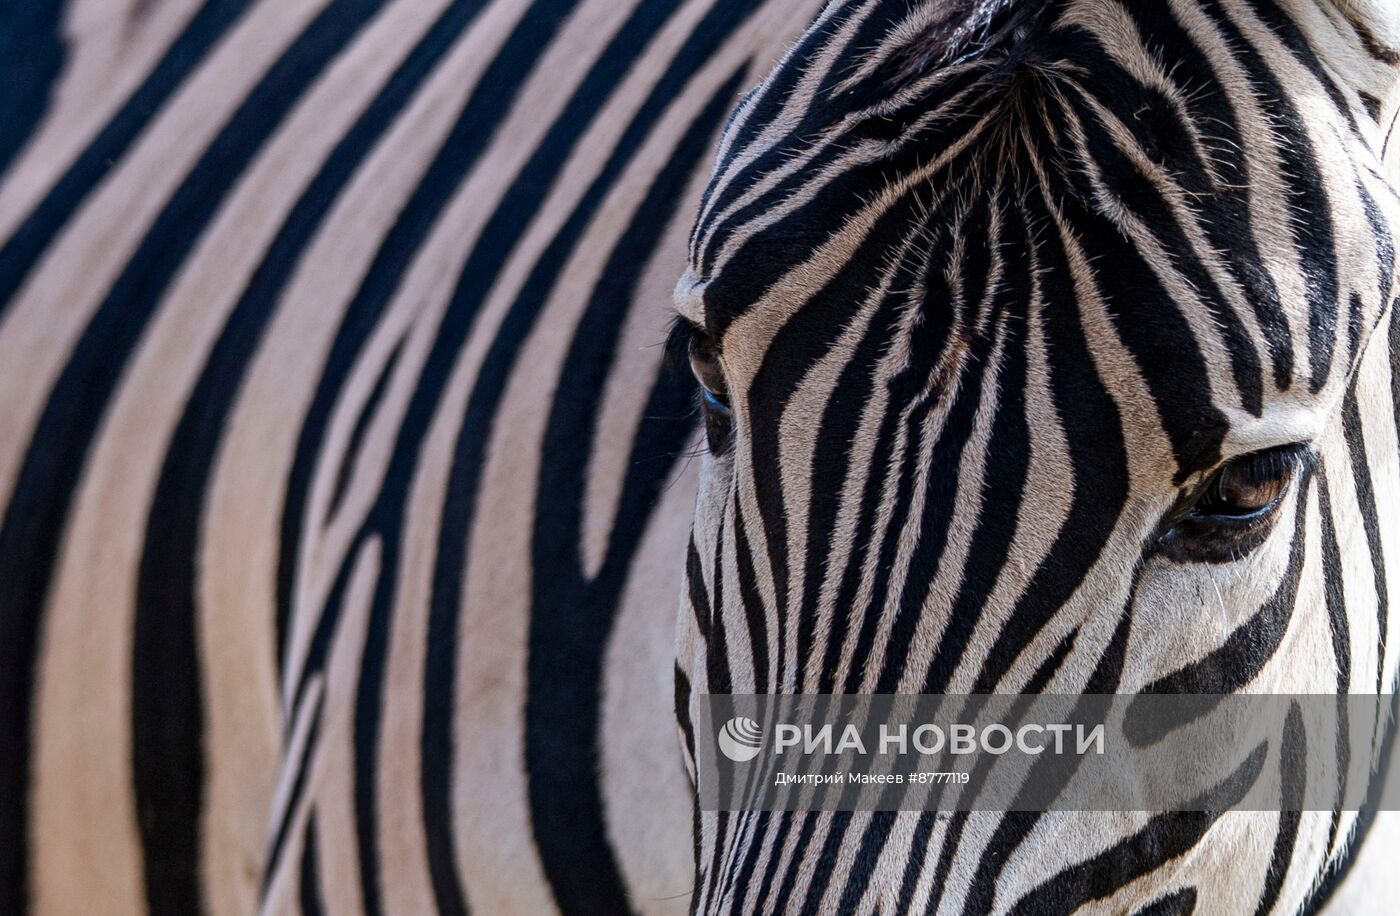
1046	346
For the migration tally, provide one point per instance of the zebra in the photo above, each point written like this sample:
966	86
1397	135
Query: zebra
1048	346
347	496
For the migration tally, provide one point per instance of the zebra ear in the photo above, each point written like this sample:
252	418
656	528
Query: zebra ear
1378	24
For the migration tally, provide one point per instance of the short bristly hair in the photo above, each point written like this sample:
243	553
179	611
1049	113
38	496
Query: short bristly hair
960	29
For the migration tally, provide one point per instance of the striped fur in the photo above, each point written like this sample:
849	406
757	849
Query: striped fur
345	499
343	491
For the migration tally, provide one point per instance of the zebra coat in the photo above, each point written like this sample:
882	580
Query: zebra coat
347	497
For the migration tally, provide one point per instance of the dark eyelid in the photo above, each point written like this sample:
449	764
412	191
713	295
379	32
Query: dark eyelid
1295	458
1265	463
1272	462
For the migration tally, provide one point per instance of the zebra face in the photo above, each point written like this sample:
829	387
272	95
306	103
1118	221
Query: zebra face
1045	347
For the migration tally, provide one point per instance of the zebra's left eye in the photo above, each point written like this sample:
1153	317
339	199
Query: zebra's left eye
1232	513
1240	493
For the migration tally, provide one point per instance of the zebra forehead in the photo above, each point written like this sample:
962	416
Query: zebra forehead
898	82
1003	101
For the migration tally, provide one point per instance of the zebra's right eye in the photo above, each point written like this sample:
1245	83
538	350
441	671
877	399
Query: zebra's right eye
714	394
688	341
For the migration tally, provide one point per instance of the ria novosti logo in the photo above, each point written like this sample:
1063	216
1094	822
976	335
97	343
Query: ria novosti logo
740	739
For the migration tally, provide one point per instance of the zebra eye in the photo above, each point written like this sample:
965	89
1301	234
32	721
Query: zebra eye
687	341
704	362
1240	493
1233	512
714	393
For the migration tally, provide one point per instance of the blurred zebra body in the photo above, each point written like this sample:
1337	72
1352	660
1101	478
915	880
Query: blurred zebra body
344	495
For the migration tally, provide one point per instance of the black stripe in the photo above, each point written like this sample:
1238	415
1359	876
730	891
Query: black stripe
33	237
309	887
1394	360
1372	105
718	673
867	859
919	850
698	596
1358	331
755	615
1179	903
32	54
1353	431
1293	778
820	869
1377	49
799	854
1340	629
323	636
357	435
715	868
682	705
282	830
